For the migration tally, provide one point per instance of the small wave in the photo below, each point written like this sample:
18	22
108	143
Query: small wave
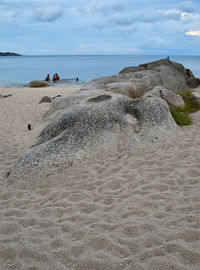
61	83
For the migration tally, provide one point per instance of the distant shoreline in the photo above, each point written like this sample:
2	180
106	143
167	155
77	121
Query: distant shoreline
9	54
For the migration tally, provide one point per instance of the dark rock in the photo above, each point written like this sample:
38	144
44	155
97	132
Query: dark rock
56	96
192	82
5	96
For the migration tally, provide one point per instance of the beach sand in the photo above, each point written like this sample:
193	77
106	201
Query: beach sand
118	209
16	112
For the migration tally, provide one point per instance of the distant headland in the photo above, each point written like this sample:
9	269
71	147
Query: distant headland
9	54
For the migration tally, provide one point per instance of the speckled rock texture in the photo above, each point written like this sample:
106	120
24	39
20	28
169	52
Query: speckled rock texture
80	124
172	99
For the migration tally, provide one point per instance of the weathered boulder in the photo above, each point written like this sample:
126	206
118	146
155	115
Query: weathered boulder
172	99
38	84
135	81
81	123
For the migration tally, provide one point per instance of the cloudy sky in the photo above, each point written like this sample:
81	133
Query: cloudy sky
33	27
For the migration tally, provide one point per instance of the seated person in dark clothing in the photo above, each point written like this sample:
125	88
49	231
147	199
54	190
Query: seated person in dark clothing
47	77
54	77
57	76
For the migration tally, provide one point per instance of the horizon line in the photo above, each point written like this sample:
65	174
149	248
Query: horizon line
109	55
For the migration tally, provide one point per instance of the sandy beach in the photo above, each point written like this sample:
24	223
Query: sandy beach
17	112
118	209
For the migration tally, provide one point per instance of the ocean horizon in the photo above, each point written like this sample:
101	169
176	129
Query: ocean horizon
18	71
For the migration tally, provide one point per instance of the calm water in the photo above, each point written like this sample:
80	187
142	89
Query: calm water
17	71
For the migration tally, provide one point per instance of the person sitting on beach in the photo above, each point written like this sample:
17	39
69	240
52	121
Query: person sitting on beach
77	79
47	77
57	76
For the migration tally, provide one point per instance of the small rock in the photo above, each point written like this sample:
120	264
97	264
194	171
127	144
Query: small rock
45	99
5	96
56	96
196	95
35	84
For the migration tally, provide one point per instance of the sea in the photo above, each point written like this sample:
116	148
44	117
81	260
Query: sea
18	71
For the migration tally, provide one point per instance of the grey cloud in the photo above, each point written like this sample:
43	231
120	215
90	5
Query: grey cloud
173	15
188	7
124	19
127	30
103	7
49	14
145	17
100	25
113	6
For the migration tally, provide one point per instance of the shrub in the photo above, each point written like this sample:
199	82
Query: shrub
191	104
181	118
181	114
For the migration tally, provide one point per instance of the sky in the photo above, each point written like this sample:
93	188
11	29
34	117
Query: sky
76	27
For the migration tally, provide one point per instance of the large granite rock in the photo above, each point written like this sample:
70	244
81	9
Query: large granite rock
80	124
135	81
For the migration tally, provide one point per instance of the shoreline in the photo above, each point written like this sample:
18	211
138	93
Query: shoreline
63	83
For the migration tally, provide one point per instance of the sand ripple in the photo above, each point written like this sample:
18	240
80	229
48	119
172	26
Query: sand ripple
116	210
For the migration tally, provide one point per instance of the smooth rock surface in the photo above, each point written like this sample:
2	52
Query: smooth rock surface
38	84
135	81
172	99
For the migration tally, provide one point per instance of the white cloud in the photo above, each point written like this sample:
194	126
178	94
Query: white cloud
193	33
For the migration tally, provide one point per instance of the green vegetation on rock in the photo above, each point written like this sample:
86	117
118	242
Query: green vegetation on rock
181	118
181	114
191	104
